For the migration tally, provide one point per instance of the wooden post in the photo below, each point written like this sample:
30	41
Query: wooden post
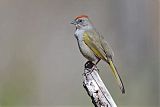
95	87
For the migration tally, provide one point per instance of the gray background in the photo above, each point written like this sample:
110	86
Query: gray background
40	64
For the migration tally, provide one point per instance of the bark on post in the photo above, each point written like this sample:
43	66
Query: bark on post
95	87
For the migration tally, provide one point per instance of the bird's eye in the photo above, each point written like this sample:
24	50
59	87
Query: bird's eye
80	20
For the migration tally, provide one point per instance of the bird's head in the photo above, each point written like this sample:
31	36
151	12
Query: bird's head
82	22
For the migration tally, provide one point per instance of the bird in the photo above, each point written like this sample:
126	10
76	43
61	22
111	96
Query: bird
93	46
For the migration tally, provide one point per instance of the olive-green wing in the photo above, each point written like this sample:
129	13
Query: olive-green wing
94	44
100	42
108	50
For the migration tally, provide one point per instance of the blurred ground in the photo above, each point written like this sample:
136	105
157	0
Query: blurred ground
40	62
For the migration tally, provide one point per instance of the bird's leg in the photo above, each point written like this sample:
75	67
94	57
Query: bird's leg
92	66
97	61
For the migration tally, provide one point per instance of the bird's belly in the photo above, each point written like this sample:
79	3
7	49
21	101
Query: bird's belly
86	51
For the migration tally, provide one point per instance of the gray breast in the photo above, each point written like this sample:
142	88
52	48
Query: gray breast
84	49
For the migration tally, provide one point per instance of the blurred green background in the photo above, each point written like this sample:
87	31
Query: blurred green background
40	63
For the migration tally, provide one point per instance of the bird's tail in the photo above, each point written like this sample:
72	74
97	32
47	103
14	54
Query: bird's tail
117	76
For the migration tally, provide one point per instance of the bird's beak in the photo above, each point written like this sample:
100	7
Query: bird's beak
73	22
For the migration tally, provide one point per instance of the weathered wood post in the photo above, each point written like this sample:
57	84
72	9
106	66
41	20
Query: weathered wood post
95	87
